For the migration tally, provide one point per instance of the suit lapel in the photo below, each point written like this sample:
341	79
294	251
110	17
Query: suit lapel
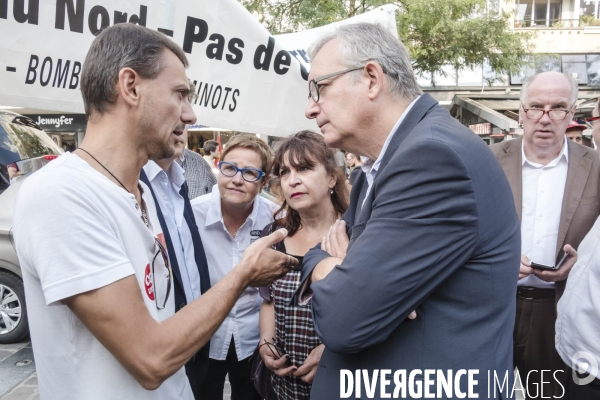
512	164
358	189
414	116
578	172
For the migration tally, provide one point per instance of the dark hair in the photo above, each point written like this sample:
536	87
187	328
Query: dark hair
307	149
121	46
210	146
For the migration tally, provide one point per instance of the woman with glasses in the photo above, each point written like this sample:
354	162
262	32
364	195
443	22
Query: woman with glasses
315	196
229	219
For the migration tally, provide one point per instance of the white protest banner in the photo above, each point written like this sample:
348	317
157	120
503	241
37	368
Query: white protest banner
247	79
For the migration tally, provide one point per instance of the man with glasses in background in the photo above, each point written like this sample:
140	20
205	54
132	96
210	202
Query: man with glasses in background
555	185
97	276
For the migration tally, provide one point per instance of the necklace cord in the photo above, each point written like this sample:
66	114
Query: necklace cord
106	169
144	214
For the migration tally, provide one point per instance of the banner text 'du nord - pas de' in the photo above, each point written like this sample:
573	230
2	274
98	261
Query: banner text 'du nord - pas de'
246	79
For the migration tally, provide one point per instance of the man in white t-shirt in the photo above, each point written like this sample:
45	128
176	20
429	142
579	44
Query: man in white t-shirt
97	277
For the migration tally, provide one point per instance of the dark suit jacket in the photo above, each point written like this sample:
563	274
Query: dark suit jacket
581	201
439	234
197	366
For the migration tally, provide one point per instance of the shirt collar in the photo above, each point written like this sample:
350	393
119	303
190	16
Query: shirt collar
564	152
373	165
215	214
152	170
174	173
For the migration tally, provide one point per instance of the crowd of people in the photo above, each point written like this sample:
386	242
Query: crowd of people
421	249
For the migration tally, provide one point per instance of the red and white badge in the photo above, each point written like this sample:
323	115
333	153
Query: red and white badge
149	282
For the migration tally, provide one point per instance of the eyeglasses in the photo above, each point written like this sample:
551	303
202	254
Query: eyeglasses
248	174
161	295
590	122
313	86
538	113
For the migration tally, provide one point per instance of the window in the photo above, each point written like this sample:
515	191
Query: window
590	7
575	65
593	69
538	12
584	68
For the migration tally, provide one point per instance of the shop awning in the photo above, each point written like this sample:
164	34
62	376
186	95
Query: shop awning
486	110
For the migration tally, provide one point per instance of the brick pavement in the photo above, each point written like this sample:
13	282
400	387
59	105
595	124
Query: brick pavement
18	379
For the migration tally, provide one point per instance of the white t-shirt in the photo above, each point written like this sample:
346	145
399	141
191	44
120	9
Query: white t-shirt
76	231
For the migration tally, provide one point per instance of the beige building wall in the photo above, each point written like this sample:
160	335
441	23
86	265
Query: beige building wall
566	37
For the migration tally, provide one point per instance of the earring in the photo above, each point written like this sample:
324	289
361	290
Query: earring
331	191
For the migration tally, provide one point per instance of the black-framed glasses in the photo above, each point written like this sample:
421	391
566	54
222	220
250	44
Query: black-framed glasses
590	122
313	85
248	174
161	294
538	113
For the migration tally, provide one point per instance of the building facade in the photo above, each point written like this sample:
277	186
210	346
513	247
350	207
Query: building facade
566	38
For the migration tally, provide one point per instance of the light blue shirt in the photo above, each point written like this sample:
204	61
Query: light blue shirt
223	253
166	186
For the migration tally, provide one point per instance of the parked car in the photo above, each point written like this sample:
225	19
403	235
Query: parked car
24	143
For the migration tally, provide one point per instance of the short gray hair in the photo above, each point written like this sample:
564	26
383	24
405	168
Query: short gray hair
121	46
364	42
572	81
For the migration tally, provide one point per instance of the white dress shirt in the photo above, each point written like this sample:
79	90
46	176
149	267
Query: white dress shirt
578	318
543	191
223	252
166	186
369	166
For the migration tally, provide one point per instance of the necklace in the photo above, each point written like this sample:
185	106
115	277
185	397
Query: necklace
106	169
144	214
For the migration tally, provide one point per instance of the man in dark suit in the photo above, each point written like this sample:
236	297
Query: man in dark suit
169	190
432	229
555	186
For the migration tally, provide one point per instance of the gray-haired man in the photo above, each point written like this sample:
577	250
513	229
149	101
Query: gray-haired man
555	185
432	230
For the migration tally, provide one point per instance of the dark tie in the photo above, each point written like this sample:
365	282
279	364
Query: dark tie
197	366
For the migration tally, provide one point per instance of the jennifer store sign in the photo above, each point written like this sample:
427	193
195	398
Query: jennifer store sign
60	123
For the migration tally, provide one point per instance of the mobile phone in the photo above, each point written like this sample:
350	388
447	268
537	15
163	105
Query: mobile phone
548	267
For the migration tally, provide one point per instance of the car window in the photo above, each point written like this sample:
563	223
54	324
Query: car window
18	141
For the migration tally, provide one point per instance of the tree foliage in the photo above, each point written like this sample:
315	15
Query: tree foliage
461	33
